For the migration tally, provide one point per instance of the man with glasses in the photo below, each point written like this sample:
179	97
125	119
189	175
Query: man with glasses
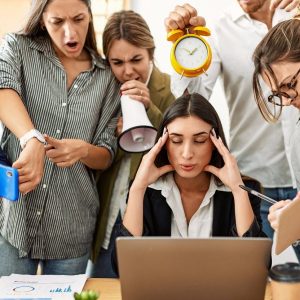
261	149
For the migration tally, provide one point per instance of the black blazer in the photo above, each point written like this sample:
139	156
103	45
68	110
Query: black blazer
157	216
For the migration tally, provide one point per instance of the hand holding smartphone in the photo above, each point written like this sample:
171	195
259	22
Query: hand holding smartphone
9	183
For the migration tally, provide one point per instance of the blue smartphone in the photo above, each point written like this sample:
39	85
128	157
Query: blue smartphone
9	183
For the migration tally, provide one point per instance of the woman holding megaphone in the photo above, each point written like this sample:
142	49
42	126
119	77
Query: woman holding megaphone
129	49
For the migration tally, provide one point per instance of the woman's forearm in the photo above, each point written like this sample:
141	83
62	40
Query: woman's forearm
98	158
13	113
133	218
244	215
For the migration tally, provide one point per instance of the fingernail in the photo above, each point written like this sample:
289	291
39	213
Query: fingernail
213	132
165	130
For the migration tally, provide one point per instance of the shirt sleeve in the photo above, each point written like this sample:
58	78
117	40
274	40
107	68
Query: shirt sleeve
110	112
10	64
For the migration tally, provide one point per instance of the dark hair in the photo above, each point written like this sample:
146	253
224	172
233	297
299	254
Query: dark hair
282	43
33	26
129	26
192	105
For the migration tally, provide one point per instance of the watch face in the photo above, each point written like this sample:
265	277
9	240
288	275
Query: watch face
191	52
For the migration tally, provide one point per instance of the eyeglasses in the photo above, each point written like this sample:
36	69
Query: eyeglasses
287	90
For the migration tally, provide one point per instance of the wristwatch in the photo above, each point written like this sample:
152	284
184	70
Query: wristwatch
33	133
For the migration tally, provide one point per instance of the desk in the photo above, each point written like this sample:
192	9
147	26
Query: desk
110	289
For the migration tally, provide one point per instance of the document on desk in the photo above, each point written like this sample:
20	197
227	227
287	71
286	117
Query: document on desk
40	287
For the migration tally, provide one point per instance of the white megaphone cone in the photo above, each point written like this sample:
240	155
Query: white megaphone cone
138	133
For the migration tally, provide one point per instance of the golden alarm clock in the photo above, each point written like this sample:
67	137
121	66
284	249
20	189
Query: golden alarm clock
190	54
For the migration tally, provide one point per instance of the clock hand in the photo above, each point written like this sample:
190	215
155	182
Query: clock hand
191	53
187	50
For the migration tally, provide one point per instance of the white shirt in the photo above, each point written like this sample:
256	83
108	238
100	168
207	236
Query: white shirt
200	225
262	150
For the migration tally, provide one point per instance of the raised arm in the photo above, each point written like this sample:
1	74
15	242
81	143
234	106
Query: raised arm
146	174
186	16
230	175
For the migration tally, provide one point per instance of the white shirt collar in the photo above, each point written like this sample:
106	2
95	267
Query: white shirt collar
200	224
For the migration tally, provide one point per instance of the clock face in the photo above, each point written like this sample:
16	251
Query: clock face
191	52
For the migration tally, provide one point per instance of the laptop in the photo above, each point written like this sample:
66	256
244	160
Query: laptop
193	269
288	230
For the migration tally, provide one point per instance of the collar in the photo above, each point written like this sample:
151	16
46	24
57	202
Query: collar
236	12
43	44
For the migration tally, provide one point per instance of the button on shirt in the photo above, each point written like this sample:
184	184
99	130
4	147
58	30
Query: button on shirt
57	219
262	150
200	225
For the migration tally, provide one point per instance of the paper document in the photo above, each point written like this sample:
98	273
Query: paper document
42	287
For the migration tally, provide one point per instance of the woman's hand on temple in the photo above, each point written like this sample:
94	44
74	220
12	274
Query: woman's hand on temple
137	90
147	172
229	174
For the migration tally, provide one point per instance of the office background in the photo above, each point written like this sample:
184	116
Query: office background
12	14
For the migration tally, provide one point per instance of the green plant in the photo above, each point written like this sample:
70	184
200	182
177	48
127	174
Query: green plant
86	295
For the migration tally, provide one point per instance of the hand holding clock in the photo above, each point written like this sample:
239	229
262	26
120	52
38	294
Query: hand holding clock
191	54
183	16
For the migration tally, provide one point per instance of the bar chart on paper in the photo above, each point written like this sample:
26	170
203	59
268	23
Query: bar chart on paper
40	287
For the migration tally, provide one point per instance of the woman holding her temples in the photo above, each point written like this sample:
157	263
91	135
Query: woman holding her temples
188	184
52	69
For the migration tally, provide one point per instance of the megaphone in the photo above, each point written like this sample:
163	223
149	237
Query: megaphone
138	133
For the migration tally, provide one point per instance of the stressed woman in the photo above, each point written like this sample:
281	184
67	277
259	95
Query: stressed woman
188	183
129	48
52	67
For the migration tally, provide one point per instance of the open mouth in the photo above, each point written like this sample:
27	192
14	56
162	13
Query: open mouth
72	45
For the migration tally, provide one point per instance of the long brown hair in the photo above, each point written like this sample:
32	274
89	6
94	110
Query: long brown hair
192	105
282	43
33	26
131	27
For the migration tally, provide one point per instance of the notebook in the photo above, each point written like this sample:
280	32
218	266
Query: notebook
288	227
193	269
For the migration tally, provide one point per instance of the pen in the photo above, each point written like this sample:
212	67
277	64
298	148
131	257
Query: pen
255	193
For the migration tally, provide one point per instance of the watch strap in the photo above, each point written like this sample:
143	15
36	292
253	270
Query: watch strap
33	133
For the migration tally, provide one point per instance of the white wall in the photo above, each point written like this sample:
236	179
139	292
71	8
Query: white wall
155	12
